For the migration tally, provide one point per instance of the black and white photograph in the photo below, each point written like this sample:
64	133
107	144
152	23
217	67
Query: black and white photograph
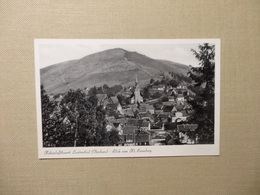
127	98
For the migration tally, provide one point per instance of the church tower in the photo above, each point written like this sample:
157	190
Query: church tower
137	96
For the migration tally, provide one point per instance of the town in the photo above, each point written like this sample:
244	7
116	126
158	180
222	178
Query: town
160	118
171	107
151	122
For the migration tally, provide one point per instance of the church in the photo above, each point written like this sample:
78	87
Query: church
137	98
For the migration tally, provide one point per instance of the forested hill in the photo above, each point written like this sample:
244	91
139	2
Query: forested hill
112	67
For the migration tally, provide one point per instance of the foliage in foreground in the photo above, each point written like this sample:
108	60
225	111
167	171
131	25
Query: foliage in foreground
203	104
76	120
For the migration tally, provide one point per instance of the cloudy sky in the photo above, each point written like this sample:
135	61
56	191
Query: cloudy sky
52	53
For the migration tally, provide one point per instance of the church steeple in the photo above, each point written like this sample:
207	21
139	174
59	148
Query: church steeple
137	98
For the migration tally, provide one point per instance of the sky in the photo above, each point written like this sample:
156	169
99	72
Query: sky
52	53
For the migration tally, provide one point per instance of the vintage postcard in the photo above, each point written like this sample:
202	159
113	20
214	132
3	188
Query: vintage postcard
101	98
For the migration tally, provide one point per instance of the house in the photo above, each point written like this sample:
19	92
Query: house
158	136
119	127
168	109
142	138
106	101
169	88
180	98
115	107
190	93
145	108
57	98
122	121
179	107
113	100
127	93
145	116
164	117
168	103
153	101
171	98
160	87
113	110
133	136
110	117
181	87
129	113
187	106
150	108
180	116
110	126
133	107
158	111
139	124
187	127
174	92
101	98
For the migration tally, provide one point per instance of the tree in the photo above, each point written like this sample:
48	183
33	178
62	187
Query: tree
112	91
86	119
146	93
203	104
120	99
50	121
113	137
93	91
173	83
157	95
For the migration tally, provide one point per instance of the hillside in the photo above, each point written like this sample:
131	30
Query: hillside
111	67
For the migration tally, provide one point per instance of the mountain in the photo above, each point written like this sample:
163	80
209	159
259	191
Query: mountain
111	67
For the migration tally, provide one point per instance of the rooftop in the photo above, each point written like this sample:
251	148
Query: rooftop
187	127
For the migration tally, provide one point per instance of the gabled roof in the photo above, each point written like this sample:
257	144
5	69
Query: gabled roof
167	103
167	108
142	109
121	120
180	96
114	99
111	106
129	112
158	106
179	107
158	111
187	127
125	106
101	97
164	115
132	106
137	123
171	97
174	109
145	107
139	138
144	115
116	125
153	101
150	107
129	130
159	86
111	124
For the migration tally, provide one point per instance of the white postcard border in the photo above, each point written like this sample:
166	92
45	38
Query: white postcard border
128	151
